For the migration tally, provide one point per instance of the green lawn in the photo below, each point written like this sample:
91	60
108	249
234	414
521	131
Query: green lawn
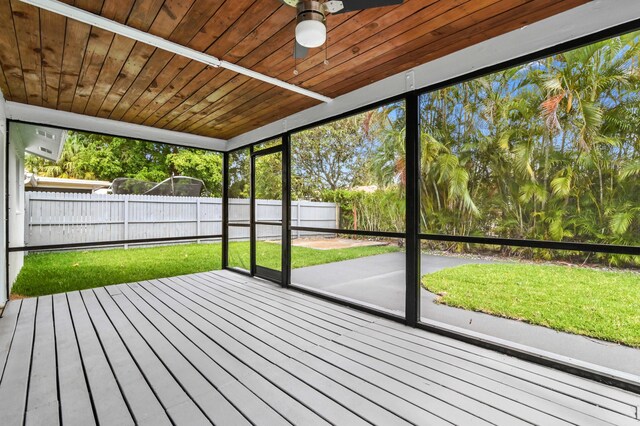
49	273
600	304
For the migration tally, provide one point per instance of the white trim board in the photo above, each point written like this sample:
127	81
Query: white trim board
70	120
3	199
578	22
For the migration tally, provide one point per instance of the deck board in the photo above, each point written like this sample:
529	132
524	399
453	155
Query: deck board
222	348
42	405
205	395
15	378
553	379
110	405
173	398
7	328
76	406
145	407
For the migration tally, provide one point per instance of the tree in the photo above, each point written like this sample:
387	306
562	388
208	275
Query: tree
329	156
91	156
203	165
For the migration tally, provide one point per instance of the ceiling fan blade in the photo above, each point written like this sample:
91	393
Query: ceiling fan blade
352	5
299	51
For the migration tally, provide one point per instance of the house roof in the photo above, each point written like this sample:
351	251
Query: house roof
55	62
34	181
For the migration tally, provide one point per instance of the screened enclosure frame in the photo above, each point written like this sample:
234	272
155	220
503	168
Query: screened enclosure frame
88	244
413	235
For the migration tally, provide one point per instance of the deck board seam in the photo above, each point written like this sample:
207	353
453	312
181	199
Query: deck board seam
337	367
566	379
294	311
238	305
433	382
57	358
82	361
181	382
198	370
284	370
153	351
135	361
470	357
246	300
516	377
360	316
13	335
551	403
254	371
106	357
383	361
33	341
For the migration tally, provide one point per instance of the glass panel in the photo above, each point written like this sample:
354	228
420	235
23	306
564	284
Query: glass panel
268	208
269	246
239	186
239	248
106	189
109	189
357	164
268	182
546	150
366	271
571	305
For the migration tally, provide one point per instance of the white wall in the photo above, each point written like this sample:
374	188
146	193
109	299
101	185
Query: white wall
3	145
16	204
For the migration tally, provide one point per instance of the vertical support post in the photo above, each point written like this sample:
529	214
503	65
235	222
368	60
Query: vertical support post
286	209
27	217
412	150
252	212
225	210
198	230
298	217
6	208
126	221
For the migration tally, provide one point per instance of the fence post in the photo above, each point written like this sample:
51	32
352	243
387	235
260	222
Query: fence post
126	220
298	221
198	218
27	220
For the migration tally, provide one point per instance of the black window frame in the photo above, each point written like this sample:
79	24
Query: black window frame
412	234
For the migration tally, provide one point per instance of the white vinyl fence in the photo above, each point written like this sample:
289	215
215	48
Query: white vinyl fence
64	218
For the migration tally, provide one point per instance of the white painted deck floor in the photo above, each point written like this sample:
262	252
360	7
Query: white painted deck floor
226	349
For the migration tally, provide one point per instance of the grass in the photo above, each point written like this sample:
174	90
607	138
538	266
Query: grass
595	303
49	273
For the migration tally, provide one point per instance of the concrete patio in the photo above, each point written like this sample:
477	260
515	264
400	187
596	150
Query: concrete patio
379	281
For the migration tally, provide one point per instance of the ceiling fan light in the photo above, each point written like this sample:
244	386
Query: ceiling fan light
311	33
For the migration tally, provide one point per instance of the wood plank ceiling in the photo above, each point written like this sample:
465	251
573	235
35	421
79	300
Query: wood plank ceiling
51	61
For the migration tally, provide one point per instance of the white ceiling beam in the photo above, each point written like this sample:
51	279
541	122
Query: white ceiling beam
583	20
81	15
72	121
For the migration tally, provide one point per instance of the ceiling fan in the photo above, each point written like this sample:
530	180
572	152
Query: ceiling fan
311	29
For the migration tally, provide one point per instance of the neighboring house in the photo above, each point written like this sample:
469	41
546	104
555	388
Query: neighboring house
33	182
